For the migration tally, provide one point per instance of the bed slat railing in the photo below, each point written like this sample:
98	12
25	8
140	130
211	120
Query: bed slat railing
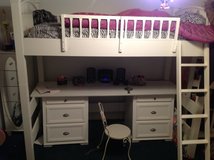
88	23
149	26
63	41
118	27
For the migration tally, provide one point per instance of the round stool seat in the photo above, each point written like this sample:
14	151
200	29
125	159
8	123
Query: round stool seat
117	131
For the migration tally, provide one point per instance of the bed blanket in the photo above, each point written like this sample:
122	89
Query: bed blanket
189	31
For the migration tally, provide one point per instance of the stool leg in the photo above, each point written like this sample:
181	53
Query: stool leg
105	148
101	140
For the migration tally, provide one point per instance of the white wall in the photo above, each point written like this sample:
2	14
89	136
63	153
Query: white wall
107	5
151	68
4	2
110	6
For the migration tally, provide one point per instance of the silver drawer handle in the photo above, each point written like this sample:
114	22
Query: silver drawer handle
153	112
66	133
153	130
66	115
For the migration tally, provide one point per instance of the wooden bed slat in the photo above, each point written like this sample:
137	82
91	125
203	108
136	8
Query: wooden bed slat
36	126
33	105
192	106
186	129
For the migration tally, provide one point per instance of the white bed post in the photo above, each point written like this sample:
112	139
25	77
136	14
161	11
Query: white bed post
178	83
207	102
16	9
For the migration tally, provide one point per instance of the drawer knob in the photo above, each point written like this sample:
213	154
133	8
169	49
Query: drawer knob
153	112
66	133
66	115
153	130
65	100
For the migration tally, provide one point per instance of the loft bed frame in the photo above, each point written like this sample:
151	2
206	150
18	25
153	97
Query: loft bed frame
119	46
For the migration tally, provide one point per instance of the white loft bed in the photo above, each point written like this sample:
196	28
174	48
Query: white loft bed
115	46
119	46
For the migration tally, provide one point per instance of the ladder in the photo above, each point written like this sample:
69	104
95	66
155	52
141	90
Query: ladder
191	112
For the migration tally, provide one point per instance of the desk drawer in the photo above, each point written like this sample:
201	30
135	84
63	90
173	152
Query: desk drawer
154	110
140	99
153	129
66	132
66	113
65	100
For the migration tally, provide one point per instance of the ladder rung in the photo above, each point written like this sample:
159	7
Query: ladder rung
198	141
194	65
187	116
193	90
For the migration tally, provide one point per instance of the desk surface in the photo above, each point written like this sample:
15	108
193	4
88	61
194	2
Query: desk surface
51	89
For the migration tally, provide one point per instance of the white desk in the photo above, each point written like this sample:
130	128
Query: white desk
149	110
102	89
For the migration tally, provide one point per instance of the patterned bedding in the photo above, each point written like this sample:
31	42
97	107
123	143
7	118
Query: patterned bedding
48	30
192	27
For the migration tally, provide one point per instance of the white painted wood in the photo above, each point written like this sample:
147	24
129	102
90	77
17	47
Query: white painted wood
16	8
65	120
152	117
66	133
151	88
179	103
33	105
207	101
108	48
195	108
150	130
188	105
36	127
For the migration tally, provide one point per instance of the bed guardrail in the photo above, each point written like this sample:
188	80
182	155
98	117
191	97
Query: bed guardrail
108	27
149	28
88	26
